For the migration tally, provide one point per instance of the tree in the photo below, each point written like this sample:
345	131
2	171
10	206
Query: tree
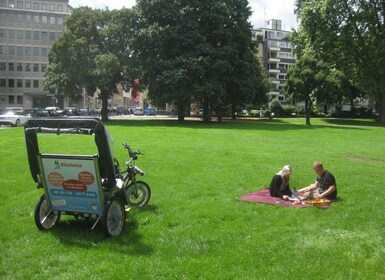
310	80
90	55
349	35
197	50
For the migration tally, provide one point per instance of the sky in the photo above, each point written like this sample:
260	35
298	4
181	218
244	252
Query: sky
262	10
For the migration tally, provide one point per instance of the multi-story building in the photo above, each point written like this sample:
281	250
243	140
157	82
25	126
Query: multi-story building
275	52
27	31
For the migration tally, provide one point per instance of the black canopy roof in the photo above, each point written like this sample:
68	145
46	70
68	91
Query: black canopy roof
87	126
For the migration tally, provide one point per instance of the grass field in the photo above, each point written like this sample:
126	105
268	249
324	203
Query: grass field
194	227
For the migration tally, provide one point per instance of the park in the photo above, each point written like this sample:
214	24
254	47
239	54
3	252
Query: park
194	226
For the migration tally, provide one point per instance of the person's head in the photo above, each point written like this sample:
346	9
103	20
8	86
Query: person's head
286	170
318	168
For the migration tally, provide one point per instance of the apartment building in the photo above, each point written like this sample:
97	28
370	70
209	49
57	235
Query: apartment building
27	31
275	52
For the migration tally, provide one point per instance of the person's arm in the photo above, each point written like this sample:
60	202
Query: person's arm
330	190
310	188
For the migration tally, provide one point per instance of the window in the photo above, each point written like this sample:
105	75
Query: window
43	67
2	83
51	20
36	67
3	33
11	99
20	18
11	3
19	34
3	3
52	7
28	5
27	83
11	66
12	17
36	51
19	50
3	50
44	52
60	21
19	84
3	66
28	18
60	8
44	36
11	33
20	4
44	19
44	6
36	35
19	66
3	17
28	34
52	36
36	6
35	83
28	51
27	67
11	83
36	19
11	50
19	99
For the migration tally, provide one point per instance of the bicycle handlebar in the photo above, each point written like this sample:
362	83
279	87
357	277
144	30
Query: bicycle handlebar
131	152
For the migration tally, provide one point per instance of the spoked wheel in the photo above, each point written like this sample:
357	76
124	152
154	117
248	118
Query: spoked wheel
45	218
114	217
138	194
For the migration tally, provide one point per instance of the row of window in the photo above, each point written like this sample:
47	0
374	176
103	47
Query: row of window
28	18
24	51
29	35
20	67
11	99
52	7
19	83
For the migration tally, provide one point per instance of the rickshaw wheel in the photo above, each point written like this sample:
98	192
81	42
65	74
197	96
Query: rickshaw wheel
138	194
41	212
114	217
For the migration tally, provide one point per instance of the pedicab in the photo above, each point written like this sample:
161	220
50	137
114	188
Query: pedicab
86	186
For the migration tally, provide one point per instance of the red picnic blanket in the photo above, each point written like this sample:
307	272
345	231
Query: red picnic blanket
263	196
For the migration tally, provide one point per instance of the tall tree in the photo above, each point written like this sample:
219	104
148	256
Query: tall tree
351	36
197	50
311	80
90	55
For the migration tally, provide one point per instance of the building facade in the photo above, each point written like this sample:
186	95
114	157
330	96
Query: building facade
275	53
27	31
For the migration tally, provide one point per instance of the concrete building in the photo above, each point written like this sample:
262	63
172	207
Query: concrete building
275	52
27	31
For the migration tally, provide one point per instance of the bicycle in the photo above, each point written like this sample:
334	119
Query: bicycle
137	192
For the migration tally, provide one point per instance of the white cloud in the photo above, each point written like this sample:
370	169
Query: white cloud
262	9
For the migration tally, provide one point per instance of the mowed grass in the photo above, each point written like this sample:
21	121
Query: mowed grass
194	227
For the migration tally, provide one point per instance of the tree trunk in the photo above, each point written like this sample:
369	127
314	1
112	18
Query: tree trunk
381	105
233	112
307	111
206	117
104	112
180	111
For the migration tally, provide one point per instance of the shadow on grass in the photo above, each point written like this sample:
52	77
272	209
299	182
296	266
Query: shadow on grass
354	122
241	124
78	233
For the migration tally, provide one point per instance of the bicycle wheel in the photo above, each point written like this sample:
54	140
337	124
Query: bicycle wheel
138	194
44	217
114	217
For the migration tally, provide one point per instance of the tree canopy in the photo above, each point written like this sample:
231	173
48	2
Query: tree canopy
350	36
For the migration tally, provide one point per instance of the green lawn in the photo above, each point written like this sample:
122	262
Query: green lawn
194	227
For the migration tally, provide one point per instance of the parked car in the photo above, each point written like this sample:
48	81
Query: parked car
71	111
14	117
138	112
149	111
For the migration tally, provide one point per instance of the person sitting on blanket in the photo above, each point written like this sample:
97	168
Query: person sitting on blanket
324	187
279	186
